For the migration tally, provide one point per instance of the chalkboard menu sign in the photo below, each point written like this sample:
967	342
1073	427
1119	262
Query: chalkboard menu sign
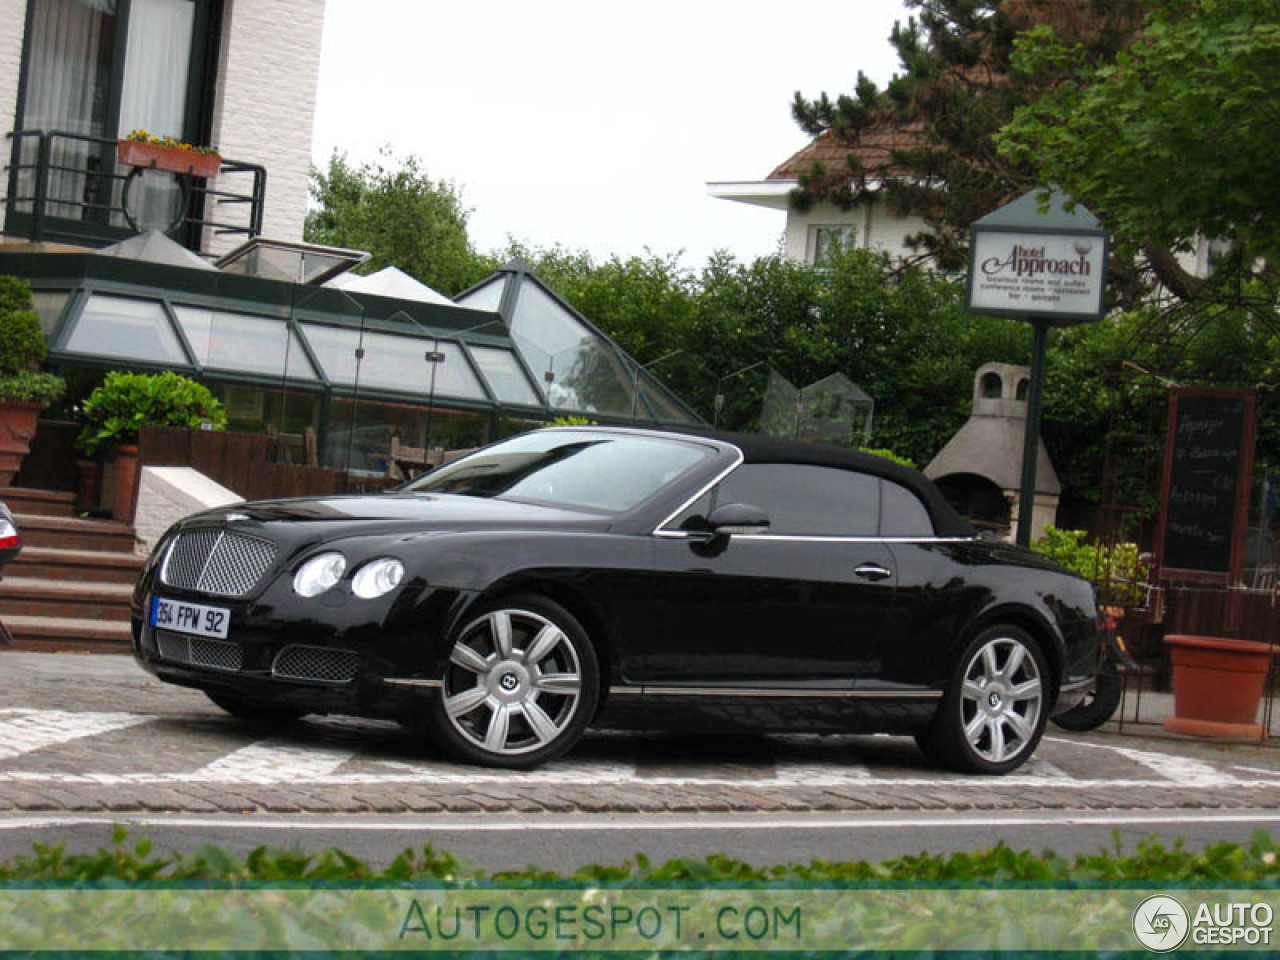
1207	479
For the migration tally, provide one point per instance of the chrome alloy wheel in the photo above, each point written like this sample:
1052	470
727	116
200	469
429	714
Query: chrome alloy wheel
1001	699
514	682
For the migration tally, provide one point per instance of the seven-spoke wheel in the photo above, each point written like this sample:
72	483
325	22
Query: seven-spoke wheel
993	713
520	685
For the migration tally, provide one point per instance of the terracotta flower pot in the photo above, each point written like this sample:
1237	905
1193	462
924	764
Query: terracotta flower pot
17	427
155	156
1217	685
124	483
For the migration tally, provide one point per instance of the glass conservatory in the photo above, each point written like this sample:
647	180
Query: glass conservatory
353	369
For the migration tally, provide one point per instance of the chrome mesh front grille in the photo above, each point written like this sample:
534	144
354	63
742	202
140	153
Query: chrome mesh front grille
220	562
199	652
317	664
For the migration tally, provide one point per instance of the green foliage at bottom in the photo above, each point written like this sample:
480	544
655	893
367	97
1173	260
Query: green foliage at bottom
133	861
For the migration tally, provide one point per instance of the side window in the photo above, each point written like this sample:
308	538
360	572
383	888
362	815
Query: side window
901	512
804	500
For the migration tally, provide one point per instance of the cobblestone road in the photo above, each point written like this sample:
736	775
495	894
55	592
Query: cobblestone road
96	734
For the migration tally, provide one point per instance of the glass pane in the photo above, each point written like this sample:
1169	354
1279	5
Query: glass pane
49	304
660	403
153	97
127	329
576	469
503	372
807	500
244	343
583	370
286	414
393	363
366	428
485	298
68	81
901	512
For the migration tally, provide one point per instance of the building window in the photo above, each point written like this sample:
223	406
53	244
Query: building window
826	240
94	70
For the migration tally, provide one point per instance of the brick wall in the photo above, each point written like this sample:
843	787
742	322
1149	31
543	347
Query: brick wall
13	18
265	101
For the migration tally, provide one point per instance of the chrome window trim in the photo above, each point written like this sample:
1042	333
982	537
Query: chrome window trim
799	538
658	531
667	691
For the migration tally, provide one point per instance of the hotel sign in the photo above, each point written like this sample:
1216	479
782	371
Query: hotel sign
1050	266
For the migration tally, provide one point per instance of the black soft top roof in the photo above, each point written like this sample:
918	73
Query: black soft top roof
757	448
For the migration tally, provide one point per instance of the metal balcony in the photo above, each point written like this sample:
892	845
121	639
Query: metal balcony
69	188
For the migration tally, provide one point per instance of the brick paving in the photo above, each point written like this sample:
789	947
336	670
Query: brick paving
95	734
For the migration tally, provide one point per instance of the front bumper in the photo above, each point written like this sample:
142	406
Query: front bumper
330	654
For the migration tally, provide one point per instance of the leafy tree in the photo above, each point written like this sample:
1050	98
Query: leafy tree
1172	142
393	209
939	116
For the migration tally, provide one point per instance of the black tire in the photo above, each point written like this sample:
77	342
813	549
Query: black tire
522	707
1098	706
1007	713
243	709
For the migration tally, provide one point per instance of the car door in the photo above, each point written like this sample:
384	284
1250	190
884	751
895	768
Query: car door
802	603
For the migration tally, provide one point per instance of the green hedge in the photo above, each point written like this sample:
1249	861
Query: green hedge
134	861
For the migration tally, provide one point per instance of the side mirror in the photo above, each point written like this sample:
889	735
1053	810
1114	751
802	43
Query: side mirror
733	518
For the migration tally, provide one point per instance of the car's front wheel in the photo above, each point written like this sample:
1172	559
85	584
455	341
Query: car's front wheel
995	707
520	686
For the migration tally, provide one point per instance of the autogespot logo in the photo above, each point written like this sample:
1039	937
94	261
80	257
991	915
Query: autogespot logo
1161	923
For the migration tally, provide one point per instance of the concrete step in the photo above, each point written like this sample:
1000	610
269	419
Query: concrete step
85	565
45	503
67	633
71	533
77	599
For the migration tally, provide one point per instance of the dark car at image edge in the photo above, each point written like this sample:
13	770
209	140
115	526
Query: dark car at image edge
633	579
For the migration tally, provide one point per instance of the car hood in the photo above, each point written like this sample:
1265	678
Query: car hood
401	513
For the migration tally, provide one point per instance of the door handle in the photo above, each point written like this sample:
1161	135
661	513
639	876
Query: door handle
872	571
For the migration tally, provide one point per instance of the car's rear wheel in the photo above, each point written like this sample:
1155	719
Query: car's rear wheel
244	709
520	686
995	707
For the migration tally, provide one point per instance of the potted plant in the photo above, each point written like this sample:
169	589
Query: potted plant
1217	685
125	403
142	149
24	392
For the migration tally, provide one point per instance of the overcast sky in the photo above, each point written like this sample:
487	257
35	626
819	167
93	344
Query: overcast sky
593	123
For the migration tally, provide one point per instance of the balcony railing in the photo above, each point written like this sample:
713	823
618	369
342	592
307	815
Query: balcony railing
68	188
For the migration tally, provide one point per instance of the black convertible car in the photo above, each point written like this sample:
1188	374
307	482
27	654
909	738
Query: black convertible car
628	578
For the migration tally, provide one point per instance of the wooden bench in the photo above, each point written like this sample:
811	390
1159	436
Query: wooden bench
405	462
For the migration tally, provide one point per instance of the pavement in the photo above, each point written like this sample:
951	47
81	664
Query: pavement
93	734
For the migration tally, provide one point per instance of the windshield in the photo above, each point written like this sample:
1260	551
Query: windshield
580	469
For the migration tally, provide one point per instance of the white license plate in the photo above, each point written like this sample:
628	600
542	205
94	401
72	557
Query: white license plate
190	618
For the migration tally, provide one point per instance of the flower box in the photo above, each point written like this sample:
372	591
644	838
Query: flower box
155	156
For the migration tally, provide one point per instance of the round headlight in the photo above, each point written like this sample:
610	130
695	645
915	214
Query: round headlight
319	574
377	577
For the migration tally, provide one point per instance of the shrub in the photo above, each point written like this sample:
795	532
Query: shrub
1118	571
127	402
22	348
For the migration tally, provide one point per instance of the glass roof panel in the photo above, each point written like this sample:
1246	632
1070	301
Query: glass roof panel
392	362
660	403
244	343
586	372
126	329
485	298
503	372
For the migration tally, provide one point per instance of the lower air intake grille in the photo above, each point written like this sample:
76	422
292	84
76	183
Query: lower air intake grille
316	664
199	652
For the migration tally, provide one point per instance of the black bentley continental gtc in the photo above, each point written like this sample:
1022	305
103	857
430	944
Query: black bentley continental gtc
628	578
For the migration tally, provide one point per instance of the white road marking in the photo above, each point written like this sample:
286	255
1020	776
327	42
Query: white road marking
1182	770
497	823
22	731
273	761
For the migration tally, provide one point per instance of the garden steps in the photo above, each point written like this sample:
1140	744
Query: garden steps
74	599
26	501
67	633
72	533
